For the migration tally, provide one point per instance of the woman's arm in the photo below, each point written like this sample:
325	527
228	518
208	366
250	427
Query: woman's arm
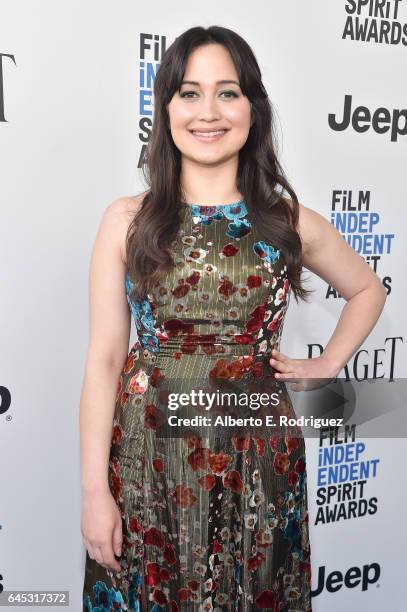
329	256
108	345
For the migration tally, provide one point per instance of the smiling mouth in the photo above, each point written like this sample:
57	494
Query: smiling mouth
208	135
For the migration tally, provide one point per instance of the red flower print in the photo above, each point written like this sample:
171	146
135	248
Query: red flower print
255	561
157	377
153	417
226	288
115	479
124	398
256	319
244	339
292	478
230	250
164	575
116	486
217	547
220	369
175	326
260	446
129	365
281	463
218	462
174	606
273	443
206	339
232	480
154	537
119	386
115	466
209	349
264	539
135	525
199	458
276	320
158	465
291	444
184	496
266	599
253	281
234	369
183	595
181	290
189	346
169	554
305	567
207	482
299	466
194	278
138	383
159	597
117	434
153	574
193	585
193	441
241	444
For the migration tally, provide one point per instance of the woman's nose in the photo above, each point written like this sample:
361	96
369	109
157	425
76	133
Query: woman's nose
208	108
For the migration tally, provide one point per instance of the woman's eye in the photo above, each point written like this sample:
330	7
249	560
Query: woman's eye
186	94
232	93
189	94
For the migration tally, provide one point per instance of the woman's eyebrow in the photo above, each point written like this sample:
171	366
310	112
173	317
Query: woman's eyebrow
222	82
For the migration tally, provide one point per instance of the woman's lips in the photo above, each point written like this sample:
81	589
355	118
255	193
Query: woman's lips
212	136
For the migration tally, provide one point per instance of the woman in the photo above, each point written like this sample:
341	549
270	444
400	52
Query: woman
208	256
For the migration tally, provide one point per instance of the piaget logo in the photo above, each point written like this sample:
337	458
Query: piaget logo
2	87
5	399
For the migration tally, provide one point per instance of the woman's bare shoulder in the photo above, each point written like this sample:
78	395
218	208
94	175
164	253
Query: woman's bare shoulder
312	226
127	205
122	212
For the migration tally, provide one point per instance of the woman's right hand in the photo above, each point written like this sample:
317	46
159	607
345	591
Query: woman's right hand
101	527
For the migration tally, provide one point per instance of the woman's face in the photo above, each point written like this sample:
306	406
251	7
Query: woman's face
205	105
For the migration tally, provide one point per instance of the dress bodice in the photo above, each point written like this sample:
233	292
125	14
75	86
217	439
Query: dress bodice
227	294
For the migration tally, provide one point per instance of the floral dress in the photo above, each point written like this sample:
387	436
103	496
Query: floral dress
211	522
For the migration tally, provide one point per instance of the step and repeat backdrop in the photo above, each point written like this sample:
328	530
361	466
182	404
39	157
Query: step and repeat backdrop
76	110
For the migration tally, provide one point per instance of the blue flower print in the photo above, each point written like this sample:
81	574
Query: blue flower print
134	590
293	534
105	599
143	319
206	214
235	213
266	252
238	228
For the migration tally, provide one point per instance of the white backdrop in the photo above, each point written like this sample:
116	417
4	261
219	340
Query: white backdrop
70	144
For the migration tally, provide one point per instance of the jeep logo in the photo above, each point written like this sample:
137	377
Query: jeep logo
382	120
355	576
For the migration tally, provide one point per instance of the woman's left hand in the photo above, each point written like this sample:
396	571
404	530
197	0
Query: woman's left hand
301	371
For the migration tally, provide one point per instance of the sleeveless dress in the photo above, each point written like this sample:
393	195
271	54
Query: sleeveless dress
211	522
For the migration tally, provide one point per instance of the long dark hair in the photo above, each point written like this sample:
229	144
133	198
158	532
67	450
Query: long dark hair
260	178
